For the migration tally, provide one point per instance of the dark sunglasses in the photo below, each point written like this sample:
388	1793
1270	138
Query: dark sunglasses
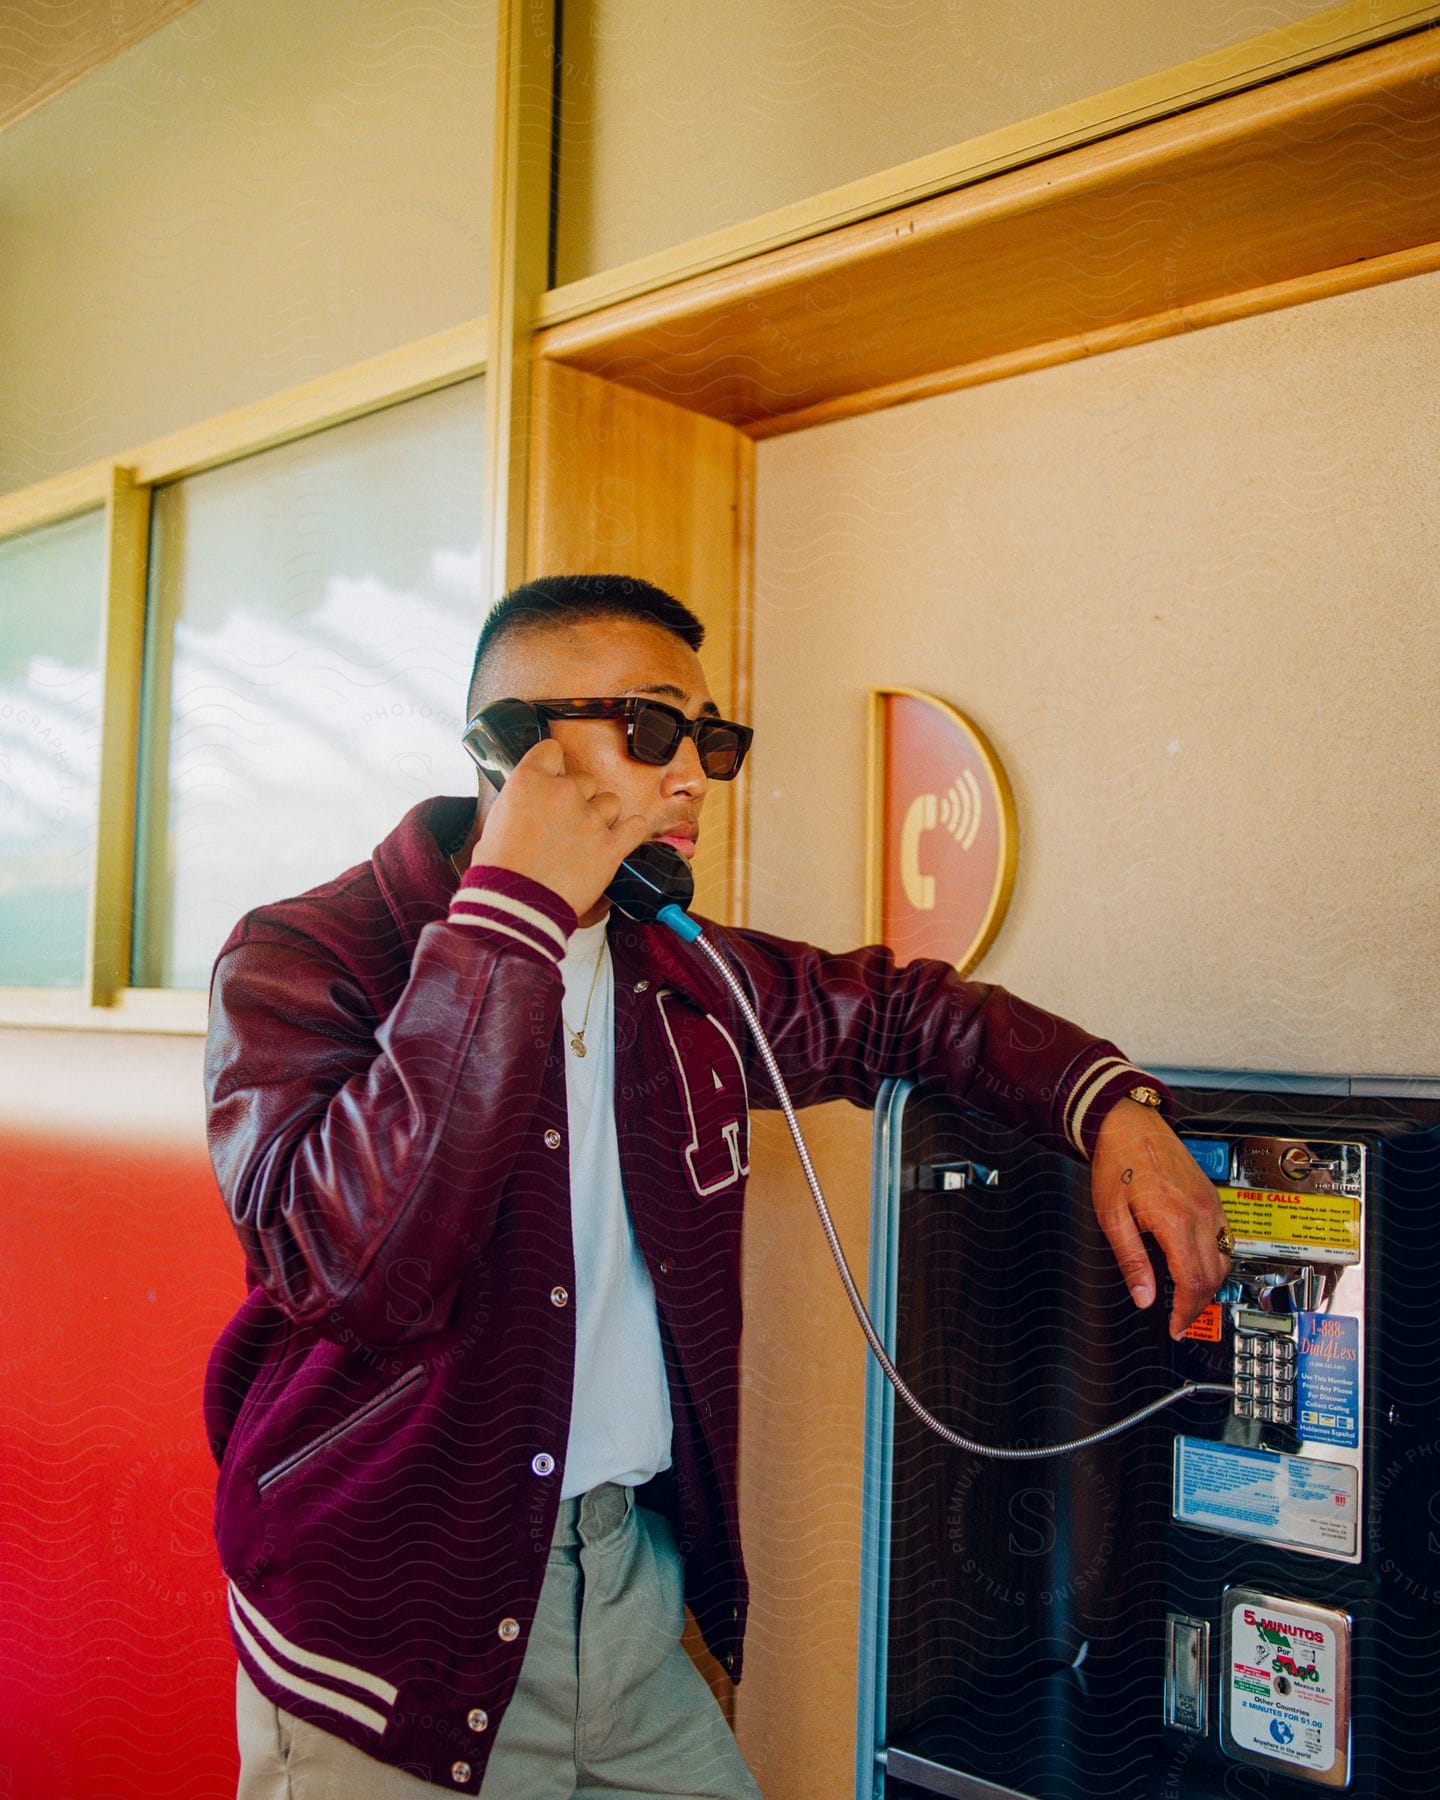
655	731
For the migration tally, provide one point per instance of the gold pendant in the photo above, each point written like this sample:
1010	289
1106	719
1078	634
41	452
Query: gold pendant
577	1043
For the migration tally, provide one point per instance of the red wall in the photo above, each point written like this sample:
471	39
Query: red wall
117	1270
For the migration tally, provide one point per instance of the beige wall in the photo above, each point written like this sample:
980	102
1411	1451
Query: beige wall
1189	591
679	119
255	194
137	1089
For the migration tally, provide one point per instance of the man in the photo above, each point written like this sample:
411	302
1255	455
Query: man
485	1145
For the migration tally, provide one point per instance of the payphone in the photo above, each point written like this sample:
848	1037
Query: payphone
1238	1597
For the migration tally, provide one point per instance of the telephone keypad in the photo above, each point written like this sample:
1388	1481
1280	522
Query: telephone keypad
1265	1371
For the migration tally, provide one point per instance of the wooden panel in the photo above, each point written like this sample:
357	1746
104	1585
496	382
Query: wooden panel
1324	170
623	483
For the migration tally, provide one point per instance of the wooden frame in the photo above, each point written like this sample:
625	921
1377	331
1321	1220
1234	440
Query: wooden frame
1258	201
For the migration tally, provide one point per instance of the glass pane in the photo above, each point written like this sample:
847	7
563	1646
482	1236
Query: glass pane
313	617
52	587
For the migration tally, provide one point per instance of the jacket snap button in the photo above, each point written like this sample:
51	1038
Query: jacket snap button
666	1265
543	1464
559	1296
509	1630
459	1771
552	1139
641	986
477	1718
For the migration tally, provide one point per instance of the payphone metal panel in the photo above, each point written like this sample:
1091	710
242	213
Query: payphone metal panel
1063	1629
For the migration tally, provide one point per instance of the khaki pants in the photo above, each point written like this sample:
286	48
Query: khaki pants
607	1703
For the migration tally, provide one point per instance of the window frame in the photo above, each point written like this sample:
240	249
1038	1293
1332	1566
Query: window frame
122	485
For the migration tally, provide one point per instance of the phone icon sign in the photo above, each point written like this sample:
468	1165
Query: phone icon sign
959	812
943	841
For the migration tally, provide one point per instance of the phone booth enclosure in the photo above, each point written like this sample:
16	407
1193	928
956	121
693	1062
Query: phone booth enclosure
1027	1606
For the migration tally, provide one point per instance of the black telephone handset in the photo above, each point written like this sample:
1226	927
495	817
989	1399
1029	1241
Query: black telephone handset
651	876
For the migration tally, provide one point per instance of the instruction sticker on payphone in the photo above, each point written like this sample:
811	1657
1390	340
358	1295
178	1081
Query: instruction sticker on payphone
1286	1468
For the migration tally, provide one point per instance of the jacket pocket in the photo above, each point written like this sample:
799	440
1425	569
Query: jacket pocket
376	1403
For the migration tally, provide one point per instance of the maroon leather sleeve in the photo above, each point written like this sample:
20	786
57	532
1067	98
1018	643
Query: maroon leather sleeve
346	1147
841	1025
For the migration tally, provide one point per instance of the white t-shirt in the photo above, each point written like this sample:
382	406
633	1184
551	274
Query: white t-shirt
620	1427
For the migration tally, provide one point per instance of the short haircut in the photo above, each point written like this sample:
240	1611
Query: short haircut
572	599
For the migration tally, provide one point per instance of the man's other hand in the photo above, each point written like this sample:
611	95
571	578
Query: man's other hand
1144	1179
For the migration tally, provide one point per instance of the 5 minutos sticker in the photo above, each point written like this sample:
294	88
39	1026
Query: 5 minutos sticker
1286	1699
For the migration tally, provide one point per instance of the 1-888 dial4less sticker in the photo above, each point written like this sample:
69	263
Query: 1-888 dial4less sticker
1286	1698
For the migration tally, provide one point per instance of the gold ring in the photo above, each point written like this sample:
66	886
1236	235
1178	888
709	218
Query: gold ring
1225	1241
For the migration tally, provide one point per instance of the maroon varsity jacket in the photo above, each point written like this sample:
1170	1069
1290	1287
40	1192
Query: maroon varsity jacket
389	1407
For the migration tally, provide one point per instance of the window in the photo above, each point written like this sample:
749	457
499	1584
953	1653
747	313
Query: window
313	612
52	583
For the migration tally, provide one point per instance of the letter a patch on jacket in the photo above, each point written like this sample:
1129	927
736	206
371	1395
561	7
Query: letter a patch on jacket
712	1083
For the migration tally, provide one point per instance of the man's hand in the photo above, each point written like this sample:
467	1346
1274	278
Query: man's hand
559	829
1144	1179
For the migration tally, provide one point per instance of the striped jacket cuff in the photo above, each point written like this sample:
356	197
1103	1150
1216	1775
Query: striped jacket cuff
1092	1086
512	909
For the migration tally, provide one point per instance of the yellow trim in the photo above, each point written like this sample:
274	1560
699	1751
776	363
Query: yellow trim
127	532
1336	32
519	270
1004	884
81	490
344	394
364	387
176	1012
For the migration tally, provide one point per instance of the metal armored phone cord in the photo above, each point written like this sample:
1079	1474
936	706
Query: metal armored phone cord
685	927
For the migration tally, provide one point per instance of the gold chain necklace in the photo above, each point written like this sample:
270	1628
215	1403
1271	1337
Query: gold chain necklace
577	1038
